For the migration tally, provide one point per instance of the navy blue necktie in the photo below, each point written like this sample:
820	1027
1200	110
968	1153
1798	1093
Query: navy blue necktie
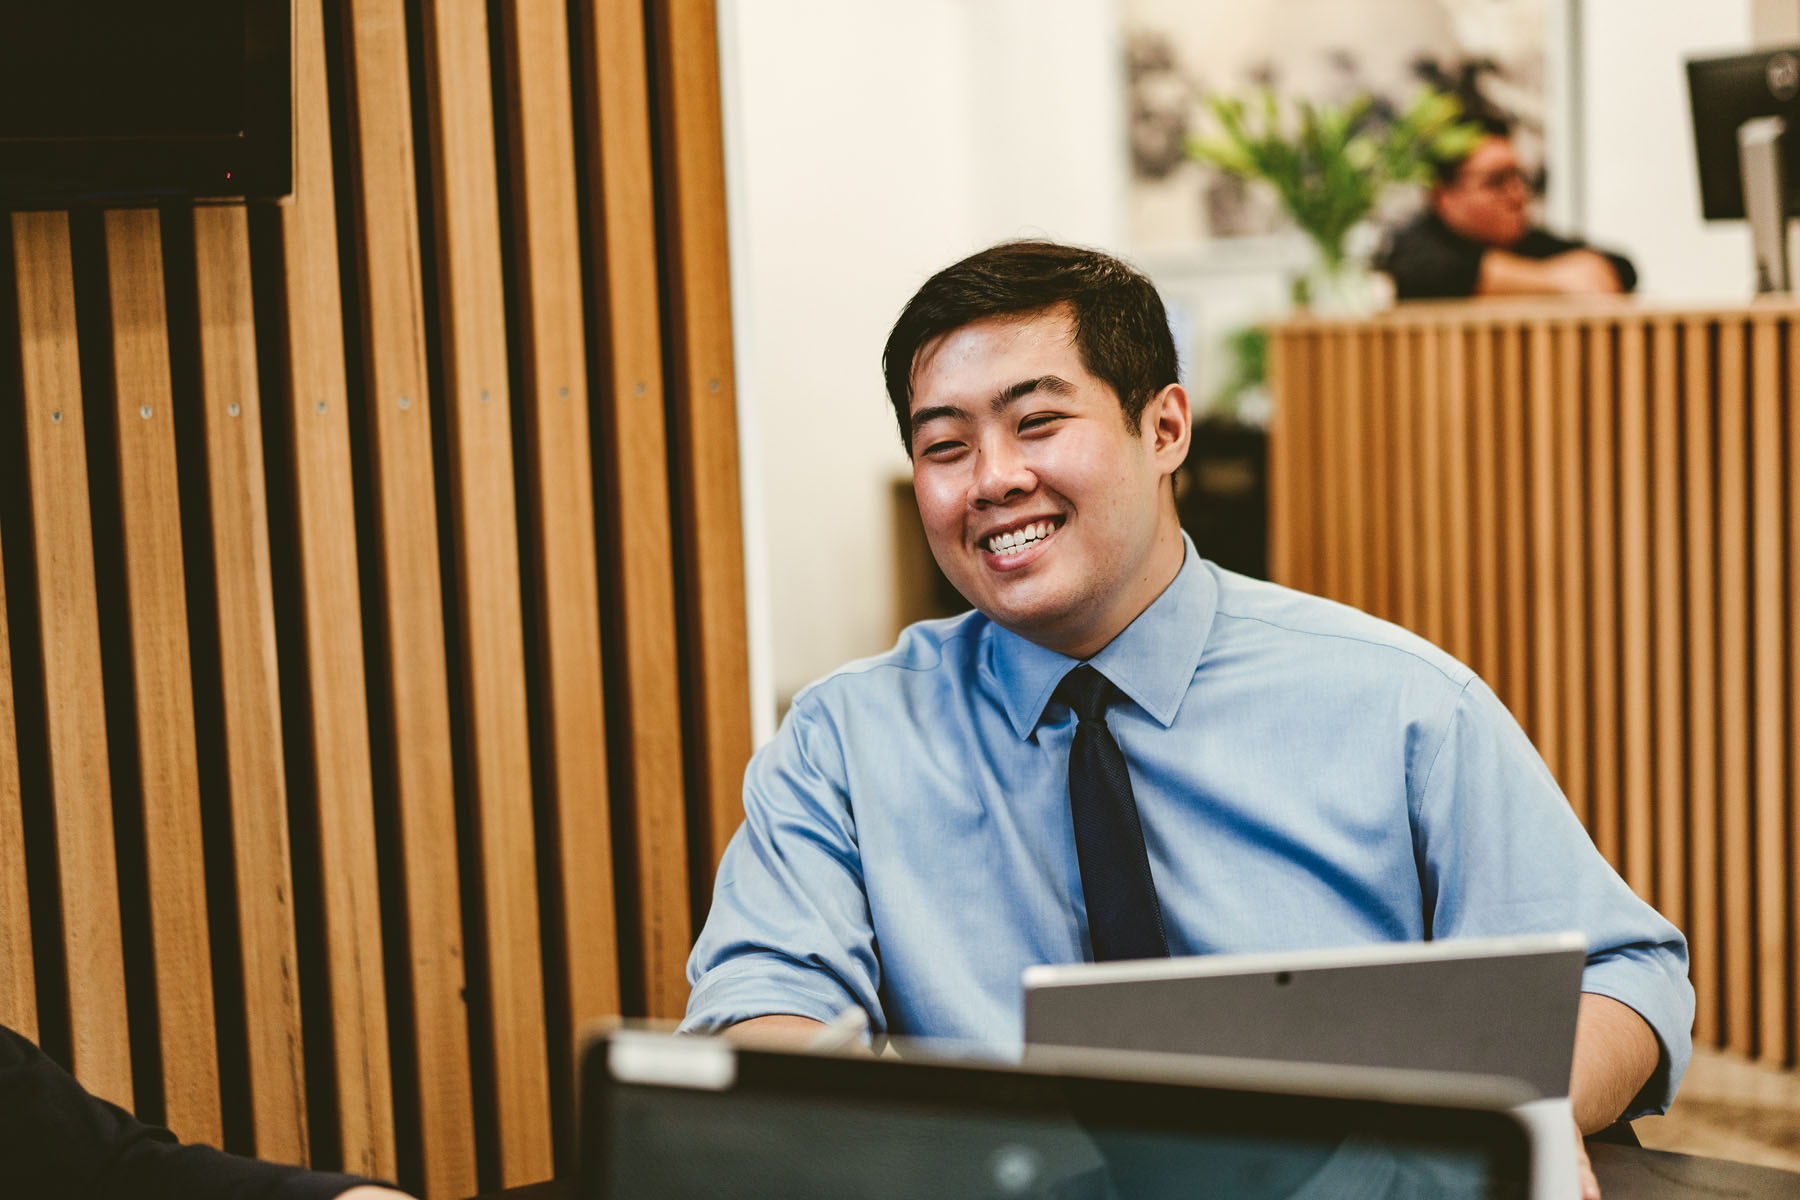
1124	919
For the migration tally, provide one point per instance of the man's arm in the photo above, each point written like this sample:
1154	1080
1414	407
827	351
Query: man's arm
781	1031
1572	273
1615	1055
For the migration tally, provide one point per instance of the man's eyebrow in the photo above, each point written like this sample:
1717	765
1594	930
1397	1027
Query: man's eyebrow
1054	384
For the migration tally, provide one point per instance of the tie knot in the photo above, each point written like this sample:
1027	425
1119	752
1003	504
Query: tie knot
1086	691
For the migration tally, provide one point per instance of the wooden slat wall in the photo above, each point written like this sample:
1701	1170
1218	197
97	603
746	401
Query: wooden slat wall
378	660
1623	571
90	996
168	767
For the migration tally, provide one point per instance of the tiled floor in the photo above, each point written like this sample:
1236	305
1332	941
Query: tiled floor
1729	1108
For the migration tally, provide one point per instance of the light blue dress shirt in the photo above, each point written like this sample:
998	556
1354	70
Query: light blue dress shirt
1307	776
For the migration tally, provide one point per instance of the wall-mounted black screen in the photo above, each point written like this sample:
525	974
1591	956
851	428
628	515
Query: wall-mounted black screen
136	100
1726	92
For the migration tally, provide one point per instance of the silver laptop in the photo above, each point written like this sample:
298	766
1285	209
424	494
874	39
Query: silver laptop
1488	1006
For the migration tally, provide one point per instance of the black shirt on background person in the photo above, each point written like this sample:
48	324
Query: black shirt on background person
57	1140
1476	239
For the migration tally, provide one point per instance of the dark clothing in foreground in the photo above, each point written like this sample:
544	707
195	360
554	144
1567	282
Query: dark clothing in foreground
58	1141
1430	261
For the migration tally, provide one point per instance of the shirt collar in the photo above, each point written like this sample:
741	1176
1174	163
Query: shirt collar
1152	661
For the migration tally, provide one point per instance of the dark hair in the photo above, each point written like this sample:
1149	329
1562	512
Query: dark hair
1119	324
1492	123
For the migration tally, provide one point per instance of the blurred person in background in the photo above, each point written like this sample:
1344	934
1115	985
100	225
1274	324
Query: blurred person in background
1475	238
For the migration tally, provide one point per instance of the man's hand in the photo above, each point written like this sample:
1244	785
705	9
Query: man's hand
1571	273
1584	273
1584	1170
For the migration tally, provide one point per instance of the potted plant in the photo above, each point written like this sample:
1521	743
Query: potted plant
1330	165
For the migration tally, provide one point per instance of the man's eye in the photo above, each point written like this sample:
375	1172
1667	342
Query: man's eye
1037	421
940	449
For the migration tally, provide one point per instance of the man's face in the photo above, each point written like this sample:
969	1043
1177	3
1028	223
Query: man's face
1045	510
1488	201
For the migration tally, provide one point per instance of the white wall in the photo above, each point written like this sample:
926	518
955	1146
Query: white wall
1637	143
870	143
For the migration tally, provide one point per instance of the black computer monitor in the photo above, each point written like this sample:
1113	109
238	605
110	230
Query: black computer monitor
697	1117
139	100
1726	92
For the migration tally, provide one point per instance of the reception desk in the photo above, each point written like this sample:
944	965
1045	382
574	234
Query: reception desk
1595	505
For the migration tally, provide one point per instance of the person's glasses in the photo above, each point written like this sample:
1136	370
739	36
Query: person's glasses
1499	180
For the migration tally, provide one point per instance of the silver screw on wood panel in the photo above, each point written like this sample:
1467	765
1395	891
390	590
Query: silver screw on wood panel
56	417
484	396
712	385
233	408
563	392
321	406
640	387
144	412
406	402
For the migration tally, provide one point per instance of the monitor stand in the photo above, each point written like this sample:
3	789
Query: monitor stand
1765	199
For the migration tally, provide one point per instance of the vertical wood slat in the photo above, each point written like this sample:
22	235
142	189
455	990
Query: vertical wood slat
1638	749
553	336
1290	556
1381	440
473	320
1457	588
703	379
1518	622
1547	663
1571	478
18	974
1284	490
69	636
1769	787
1407	568
1353	455
405	498
1671	729
1328	437
168	767
1738	983
330	603
1307	431
1702	778
1791	638
1432	624
1481	420
1602	594
245	602
636	504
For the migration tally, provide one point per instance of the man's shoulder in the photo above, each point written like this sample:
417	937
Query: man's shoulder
1314	635
927	654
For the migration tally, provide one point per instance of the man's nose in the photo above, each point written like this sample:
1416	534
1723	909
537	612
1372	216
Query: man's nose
1001	473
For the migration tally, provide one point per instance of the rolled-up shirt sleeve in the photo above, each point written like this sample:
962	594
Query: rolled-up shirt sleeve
1500	851
789	929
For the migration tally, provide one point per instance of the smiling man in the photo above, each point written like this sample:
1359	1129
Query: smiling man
1125	751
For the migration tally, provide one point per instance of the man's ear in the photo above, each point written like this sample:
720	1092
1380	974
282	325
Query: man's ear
1168	425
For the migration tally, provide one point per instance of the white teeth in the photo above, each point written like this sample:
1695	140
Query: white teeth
1004	543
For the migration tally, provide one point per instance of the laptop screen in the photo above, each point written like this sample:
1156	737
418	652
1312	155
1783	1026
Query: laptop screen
766	1124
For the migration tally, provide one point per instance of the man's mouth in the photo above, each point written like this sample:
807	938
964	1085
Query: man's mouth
1014	540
